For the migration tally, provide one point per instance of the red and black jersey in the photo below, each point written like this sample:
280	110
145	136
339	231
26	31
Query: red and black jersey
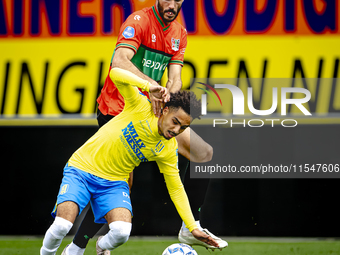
155	45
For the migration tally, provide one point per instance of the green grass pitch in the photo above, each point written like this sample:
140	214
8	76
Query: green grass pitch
155	246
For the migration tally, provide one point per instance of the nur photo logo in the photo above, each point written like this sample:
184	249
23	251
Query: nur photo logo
280	99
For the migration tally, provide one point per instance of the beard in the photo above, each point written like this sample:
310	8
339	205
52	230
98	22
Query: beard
162	13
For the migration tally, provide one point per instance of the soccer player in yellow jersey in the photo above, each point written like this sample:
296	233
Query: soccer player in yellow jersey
99	170
151	41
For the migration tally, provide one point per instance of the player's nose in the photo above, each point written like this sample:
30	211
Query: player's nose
171	4
177	129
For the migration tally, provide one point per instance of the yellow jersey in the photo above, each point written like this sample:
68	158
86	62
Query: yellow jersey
131	138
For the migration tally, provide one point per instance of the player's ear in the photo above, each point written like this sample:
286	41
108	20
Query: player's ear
165	110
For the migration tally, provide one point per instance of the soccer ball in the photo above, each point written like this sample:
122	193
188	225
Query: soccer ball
179	249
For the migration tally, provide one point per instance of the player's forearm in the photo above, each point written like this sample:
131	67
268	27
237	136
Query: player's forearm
174	85
182	205
180	200
124	62
124	78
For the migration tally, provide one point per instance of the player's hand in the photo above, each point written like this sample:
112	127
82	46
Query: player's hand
199	235
158	97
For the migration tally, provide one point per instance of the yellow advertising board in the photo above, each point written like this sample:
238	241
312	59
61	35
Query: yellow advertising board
58	75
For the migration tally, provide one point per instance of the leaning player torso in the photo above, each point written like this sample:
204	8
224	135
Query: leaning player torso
139	142
123	143
157	47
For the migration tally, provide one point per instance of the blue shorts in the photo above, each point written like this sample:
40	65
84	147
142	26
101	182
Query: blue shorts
81	187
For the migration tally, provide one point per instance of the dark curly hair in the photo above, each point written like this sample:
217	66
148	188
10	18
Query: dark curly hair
187	100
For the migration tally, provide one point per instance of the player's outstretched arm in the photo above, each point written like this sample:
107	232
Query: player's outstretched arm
122	59
125	80
174	82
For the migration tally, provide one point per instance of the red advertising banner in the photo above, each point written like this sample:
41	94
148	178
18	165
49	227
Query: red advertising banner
69	18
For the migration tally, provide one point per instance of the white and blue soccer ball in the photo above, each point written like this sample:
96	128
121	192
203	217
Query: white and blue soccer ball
179	249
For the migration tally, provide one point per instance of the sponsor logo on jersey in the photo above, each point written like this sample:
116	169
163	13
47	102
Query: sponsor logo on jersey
153	64
137	17
134	141
159	146
64	189
175	44
153	38
129	32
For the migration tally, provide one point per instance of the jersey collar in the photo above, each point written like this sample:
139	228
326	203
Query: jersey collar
159	19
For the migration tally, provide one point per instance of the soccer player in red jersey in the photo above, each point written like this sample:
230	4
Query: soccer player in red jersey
149	41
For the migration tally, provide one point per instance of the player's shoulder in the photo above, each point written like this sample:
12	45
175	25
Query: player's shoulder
178	30
141	16
143	103
179	26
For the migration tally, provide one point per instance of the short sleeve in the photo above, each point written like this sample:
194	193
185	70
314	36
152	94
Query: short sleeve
132	31
178	58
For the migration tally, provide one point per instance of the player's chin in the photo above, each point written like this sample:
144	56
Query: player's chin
169	18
